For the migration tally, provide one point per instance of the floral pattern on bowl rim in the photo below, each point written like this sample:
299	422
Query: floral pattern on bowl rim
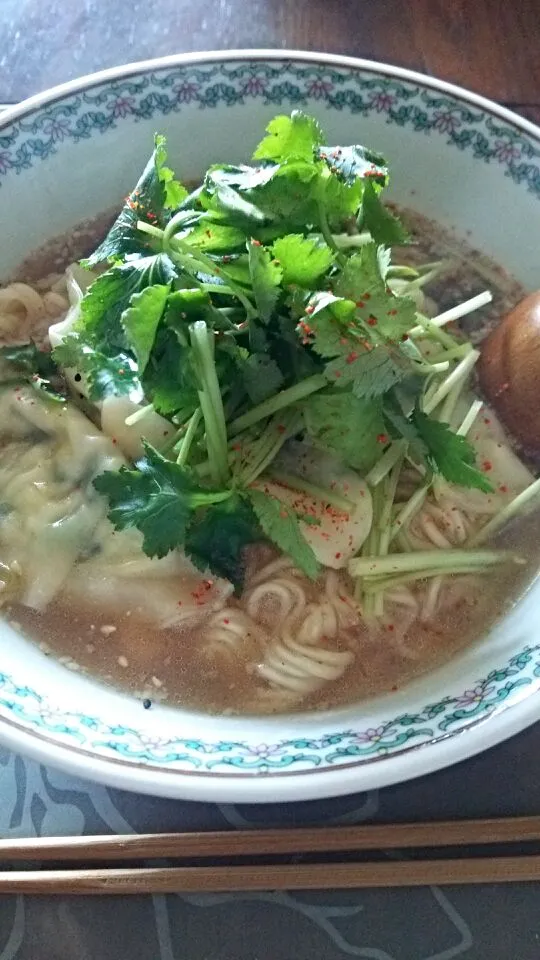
141	92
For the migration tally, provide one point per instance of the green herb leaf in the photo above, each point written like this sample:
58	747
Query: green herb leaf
215	237
141	319
303	261
169	380
450	454
326	323
106	375
290	138
383	226
157	498
109	295
261	375
173	192
377	308
355	163
155	191
266	277
35	366
280	524
369	372
351	427
217	538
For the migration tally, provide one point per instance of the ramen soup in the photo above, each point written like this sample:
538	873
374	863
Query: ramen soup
245	461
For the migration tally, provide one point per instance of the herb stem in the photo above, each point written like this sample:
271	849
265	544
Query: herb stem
285	398
459	375
294	482
211	401
507	512
443	560
138	415
408	511
187	439
383	466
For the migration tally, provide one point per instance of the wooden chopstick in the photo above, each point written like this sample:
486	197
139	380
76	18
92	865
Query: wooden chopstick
278	842
319	876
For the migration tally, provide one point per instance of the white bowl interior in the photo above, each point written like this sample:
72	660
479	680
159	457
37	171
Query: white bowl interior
435	140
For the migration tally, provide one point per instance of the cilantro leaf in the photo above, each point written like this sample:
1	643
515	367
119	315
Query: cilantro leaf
216	538
109	295
450	454
157	498
228	204
371	372
105	375
261	375
355	162
29	359
36	366
215	237
327	323
186	305
280	524
377	308
290	138
350	426
303	261
156	190
383	226
266	277
173	192
140	320
341	200
168	380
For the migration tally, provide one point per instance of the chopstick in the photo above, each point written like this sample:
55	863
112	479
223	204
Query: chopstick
276	843
316	876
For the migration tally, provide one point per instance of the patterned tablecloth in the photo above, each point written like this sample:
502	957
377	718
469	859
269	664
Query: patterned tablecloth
490	922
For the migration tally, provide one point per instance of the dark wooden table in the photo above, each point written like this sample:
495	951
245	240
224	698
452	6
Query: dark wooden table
490	46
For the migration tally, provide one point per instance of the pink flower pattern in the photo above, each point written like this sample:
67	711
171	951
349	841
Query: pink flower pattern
382	101
186	92
319	89
506	151
123	106
254	86
446	121
56	129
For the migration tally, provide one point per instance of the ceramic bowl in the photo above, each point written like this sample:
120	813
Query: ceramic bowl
74	151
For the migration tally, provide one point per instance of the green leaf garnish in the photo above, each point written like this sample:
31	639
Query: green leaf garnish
303	261
280	525
290	138
450	454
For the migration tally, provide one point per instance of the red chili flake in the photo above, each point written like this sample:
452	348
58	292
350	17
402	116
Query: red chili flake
360	303
337	374
114	440
343	341
338	556
226	620
394	688
352	357
487	420
281	428
487	465
256	243
372	320
366	296
503	488
382	438
392	313
283	514
404	337
390	627
179	603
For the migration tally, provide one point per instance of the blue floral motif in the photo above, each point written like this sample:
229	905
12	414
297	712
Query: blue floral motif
501	687
282	84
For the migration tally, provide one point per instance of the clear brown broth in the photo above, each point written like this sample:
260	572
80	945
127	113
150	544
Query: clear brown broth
171	664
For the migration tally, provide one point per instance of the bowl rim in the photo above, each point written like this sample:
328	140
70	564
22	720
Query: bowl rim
14	112
330	782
